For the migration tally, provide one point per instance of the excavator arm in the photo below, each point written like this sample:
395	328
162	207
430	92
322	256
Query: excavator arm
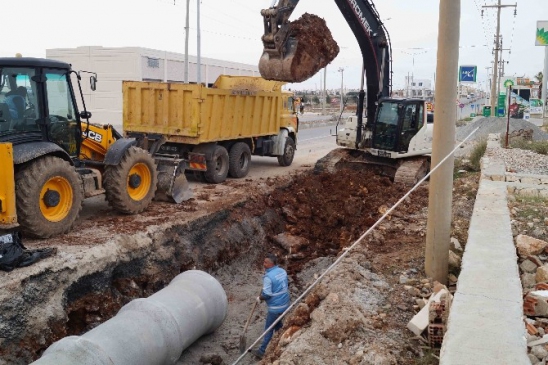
294	52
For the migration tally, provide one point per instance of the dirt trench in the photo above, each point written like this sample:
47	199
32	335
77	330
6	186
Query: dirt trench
358	312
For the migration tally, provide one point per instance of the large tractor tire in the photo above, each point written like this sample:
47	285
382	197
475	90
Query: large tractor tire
289	153
49	195
130	186
217	167
239	159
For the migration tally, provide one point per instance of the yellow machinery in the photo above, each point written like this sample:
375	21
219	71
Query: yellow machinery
8	215
52	158
211	131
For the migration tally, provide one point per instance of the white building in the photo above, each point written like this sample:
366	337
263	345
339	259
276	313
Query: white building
114	65
417	88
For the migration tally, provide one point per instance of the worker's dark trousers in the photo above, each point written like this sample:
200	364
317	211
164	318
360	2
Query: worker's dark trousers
270	318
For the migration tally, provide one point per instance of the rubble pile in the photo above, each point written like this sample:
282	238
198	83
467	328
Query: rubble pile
533	265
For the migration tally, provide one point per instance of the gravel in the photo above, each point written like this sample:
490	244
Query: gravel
523	161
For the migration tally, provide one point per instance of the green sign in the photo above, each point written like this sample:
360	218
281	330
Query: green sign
542	33
508	83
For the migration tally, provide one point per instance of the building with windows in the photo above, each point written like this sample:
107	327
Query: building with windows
114	65
418	88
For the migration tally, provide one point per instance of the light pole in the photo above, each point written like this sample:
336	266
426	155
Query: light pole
341	70
413	54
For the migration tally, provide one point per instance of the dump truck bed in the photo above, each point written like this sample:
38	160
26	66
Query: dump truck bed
235	107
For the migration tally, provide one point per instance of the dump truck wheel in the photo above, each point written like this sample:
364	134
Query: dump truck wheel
49	197
131	185
289	152
239	159
217	167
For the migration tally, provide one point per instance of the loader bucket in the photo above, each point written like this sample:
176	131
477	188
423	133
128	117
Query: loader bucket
308	47
172	185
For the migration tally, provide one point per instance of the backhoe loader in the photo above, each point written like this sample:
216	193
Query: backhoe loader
52	158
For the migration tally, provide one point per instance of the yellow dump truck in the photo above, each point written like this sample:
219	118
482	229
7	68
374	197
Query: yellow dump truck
210	131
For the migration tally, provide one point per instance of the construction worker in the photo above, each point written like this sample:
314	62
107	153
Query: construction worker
275	293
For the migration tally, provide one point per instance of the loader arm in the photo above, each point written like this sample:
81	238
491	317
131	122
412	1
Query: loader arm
279	62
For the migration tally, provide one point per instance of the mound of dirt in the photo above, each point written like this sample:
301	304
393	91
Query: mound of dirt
498	125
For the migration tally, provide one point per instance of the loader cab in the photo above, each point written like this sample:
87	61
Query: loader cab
37	103
397	121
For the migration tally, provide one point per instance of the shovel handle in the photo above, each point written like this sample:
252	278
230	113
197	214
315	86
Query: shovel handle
249	318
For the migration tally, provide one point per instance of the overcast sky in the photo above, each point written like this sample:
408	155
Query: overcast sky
232	29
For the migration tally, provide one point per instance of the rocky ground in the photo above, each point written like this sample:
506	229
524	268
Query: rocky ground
358	313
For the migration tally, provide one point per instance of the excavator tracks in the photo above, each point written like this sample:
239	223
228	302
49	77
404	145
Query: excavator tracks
412	170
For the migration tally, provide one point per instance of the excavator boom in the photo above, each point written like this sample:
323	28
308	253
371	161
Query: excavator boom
295	51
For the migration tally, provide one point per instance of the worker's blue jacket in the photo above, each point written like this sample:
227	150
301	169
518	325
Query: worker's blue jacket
275	290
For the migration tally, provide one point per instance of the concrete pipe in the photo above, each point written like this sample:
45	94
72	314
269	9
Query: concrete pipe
149	331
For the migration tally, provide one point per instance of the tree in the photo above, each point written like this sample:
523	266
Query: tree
315	99
539	78
328	99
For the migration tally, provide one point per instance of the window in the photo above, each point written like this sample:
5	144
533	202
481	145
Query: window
63	127
18	107
420	83
153	62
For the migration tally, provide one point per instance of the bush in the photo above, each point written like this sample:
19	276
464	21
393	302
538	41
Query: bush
477	153
540	147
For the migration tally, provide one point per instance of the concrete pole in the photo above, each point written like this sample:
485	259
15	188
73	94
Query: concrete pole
545	82
151	331
199	39
494	95
438	227
186	39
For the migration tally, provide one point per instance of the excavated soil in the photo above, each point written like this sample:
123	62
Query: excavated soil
316	47
356	315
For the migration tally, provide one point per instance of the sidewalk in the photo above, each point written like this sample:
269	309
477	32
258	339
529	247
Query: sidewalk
486	322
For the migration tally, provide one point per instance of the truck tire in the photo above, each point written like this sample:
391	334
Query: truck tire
130	186
217	167
289	152
239	159
49	195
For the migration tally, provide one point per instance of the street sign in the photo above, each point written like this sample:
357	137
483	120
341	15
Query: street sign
461	106
468	73
508	83
542	33
471	105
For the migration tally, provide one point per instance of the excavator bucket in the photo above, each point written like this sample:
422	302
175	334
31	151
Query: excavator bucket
295	51
172	185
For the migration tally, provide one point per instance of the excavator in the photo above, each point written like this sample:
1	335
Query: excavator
52	157
396	133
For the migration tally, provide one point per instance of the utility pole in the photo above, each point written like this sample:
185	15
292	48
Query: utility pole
341	70
186	39
438	229
324	91
545	83
494	98
199	38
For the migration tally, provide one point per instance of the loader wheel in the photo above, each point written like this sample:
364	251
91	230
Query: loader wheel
239	160
49	195
217	167
131	185
289	153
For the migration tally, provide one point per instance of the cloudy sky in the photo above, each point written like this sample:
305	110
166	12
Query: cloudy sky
232	29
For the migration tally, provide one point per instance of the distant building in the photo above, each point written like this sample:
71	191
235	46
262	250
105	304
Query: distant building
417	88
114	65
